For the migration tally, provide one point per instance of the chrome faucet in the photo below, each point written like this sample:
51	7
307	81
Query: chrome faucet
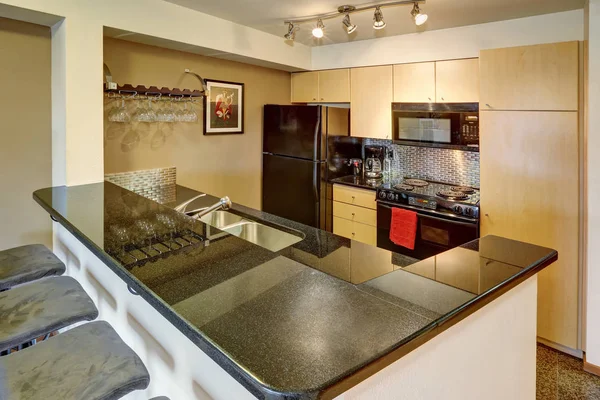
182	207
224	204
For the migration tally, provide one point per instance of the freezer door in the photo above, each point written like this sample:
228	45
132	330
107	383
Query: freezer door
291	189
293	131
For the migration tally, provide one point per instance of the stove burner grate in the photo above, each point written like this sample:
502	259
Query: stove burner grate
405	187
452	195
462	189
416	182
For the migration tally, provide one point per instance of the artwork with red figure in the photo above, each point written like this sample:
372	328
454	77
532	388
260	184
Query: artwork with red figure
224	113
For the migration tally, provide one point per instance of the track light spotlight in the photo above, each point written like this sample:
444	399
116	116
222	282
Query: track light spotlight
318	31
291	34
417	15
348	25
378	22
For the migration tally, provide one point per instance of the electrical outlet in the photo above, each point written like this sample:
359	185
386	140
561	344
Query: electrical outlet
111	85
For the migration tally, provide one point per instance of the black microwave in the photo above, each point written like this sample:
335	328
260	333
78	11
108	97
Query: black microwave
447	125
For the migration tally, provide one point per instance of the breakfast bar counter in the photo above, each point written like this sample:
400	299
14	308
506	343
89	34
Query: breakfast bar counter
218	316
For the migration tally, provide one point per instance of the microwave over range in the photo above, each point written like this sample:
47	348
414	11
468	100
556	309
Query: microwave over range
449	125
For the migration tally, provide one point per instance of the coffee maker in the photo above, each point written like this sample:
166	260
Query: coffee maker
373	162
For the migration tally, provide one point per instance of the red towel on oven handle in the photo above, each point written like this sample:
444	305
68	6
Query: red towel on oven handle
403	228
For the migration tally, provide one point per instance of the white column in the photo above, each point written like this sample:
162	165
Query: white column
77	102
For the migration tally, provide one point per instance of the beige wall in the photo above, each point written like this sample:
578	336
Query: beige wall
25	132
221	165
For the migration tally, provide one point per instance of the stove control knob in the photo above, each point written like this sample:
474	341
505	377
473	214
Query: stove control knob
382	195
469	211
390	196
458	210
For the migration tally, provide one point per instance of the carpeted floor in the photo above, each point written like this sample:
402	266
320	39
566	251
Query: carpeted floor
561	377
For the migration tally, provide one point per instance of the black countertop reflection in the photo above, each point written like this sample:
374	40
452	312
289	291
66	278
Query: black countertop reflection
358	181
298	323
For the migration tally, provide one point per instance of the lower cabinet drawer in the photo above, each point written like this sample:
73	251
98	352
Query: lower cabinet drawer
355	196
354	213
355	230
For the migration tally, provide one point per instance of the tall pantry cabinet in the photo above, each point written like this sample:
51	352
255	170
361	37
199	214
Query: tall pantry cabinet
529	144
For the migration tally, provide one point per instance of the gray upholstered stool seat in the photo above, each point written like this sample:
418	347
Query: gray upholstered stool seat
27	263
89	362
38	308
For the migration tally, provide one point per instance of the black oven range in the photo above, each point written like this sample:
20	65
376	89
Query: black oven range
448	215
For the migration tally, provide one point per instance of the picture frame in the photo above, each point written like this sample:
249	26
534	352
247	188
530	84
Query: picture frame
223	108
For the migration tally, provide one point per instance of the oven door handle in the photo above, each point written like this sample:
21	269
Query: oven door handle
430	216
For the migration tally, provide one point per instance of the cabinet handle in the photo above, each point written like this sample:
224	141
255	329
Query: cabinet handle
322	98
352	198
487	215
353	233
429	98
314	98
443	99
487	105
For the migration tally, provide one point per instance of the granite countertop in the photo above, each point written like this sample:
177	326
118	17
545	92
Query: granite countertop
299	323
357	181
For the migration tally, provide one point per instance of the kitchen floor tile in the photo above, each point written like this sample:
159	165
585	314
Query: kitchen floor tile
561	377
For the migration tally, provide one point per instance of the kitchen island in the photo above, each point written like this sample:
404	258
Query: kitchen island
216	316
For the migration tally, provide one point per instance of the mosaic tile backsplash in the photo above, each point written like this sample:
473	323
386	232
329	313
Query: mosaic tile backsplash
443	165
155	184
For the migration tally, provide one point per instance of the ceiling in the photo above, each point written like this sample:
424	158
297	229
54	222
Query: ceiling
269	15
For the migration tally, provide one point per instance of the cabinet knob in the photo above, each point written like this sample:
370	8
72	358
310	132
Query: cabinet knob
443	99
429	98
352	215
352	233
314	98
487	215
322	98
352	197
487	105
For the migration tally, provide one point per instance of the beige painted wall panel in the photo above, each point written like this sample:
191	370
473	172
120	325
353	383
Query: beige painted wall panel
26	133
221	165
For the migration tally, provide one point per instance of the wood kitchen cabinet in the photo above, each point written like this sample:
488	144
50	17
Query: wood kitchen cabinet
355	214
334	86
305	87
542	77
414	83
371	94
331	86
530	192
457	81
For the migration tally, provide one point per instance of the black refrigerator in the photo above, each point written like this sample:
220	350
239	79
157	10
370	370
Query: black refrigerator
294	184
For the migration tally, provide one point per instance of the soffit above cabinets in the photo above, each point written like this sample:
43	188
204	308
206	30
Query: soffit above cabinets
269	15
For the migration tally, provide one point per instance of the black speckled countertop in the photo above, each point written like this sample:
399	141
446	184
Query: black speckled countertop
295	324
358	181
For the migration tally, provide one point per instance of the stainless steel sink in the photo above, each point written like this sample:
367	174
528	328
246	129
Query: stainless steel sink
262	235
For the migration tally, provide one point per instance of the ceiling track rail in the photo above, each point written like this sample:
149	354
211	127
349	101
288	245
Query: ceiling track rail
351	9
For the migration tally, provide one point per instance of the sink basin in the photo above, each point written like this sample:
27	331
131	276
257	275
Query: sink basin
220	219
262	235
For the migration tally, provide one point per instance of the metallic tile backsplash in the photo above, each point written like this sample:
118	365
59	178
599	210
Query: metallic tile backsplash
443	165
154	184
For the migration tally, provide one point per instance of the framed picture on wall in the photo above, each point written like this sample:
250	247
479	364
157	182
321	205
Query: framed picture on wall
223	108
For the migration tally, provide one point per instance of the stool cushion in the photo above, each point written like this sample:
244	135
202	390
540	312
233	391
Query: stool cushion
41	307
89	362
27	263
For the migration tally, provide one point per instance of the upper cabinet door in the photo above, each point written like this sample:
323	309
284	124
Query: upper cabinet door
305	87
541	78
414	83
457	81
334	86
371	102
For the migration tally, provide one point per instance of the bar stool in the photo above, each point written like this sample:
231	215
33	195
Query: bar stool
39	308
89	362
27	263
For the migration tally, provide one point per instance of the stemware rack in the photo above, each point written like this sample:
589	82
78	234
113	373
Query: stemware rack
134	255
153	91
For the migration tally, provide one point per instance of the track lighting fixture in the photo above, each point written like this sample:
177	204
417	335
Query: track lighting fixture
348	25
378	22
417	15
291	34
318	31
